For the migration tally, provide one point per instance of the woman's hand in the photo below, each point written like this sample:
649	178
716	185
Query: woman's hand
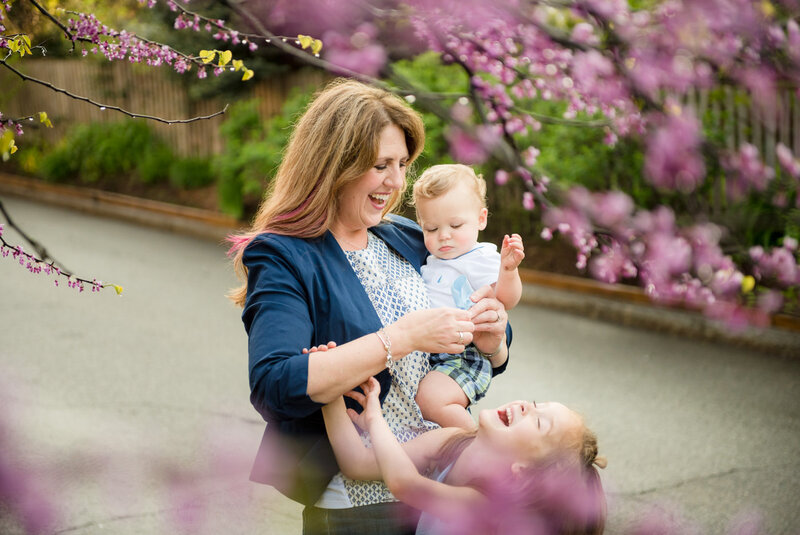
490	318
370	402
433	330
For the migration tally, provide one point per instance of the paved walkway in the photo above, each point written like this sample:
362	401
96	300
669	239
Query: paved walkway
134	410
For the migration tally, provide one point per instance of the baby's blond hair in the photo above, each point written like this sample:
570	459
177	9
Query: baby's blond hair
439	179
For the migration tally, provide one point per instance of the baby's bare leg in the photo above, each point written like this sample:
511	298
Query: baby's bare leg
442	401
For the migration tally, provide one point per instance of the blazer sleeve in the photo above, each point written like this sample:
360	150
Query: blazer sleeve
278	322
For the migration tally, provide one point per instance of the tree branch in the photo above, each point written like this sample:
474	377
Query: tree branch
27	78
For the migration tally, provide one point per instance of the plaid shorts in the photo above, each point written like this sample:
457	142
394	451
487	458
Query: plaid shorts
470	370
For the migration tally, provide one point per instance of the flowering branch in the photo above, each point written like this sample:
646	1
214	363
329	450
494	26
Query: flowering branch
38	265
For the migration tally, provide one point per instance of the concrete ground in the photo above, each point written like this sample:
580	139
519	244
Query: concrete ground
130	414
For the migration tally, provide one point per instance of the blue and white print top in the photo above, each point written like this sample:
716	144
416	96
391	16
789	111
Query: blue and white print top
395	288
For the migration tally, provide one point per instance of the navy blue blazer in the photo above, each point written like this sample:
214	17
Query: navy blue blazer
302	293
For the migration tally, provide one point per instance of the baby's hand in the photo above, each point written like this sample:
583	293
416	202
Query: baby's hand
321	347
512	252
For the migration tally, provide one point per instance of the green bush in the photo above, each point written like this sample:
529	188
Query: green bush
155	164
95	151
191	173
252	153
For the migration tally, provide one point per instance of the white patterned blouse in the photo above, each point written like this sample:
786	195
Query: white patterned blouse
395	288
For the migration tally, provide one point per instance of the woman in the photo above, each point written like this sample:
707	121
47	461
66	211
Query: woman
324	262
528	468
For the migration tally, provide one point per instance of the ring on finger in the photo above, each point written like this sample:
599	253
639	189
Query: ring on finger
460	338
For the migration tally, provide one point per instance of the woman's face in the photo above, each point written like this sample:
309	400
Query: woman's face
528	430
361	202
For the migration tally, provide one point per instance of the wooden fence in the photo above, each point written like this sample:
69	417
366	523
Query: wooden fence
137	89
743	121
160	92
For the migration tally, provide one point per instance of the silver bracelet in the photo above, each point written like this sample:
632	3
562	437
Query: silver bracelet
489	355
387	345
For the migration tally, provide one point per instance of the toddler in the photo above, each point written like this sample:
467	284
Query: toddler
451	208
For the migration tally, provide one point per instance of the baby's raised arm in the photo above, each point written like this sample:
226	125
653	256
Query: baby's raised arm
508	289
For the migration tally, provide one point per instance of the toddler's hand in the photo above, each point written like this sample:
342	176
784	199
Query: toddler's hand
321	347
370	402
512	253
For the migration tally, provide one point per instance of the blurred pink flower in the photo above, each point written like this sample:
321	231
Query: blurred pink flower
527	201
746	172
583	32
672	158
469	149
611	208
667	255
501	177
612	265
787	160
358	51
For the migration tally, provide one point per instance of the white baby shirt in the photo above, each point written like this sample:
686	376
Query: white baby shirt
481	266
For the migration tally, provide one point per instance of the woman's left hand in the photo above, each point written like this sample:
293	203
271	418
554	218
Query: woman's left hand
490	319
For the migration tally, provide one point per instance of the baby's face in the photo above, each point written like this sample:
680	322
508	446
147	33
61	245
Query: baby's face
451	222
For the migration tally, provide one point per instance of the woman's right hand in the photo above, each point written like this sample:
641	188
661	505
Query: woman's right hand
433	330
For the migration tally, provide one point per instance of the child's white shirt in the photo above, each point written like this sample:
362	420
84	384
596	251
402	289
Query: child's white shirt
481	266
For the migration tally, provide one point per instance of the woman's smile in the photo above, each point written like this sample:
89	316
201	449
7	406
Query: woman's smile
363	201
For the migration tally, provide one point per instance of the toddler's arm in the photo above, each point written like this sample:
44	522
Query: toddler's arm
399	471
355	460
508	289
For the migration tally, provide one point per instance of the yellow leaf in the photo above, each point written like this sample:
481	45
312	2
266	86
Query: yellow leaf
117	289
238	64
748	283
767	9
316	46
247	75
13	45
305	40
207	55
225	58
43	118
27	40
7	145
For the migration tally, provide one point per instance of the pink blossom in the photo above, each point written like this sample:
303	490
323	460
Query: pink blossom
770	301
747	170
667	254
672	158
471	149
612	264
787	160
500	178
529	156
528	201
583	32
611	208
